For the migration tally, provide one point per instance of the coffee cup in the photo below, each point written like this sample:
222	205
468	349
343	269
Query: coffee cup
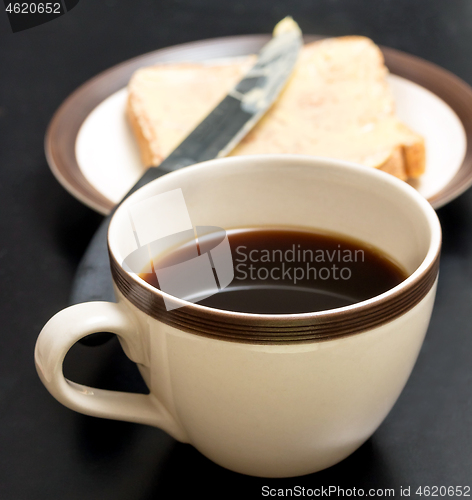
272	395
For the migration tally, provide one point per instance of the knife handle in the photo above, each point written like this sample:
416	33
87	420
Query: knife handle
93	279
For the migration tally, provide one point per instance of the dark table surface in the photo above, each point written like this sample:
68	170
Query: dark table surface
48	451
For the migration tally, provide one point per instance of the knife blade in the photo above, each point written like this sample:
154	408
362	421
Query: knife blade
214	137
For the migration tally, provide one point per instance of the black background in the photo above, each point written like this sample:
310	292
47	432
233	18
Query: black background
48	451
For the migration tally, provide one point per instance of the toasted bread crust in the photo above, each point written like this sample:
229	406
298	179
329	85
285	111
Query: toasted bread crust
395	164
415	159
147	157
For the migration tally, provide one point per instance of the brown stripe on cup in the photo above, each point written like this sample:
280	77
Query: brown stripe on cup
277	329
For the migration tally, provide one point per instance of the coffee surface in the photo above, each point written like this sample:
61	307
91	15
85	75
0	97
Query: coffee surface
284	271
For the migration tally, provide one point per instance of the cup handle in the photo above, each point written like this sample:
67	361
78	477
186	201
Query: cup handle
61	332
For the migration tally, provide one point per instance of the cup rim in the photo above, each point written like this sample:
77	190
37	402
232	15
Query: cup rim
418	280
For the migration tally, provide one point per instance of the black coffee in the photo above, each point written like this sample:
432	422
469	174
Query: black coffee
279	271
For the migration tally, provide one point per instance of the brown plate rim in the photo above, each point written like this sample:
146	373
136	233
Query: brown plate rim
66	122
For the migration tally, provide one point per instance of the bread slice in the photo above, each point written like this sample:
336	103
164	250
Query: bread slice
337	104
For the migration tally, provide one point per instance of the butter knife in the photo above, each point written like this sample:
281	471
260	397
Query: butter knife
214	137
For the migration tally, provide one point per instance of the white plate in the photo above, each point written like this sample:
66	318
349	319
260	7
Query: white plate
92	152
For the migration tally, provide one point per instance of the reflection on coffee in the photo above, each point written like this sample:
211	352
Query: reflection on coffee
285	271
